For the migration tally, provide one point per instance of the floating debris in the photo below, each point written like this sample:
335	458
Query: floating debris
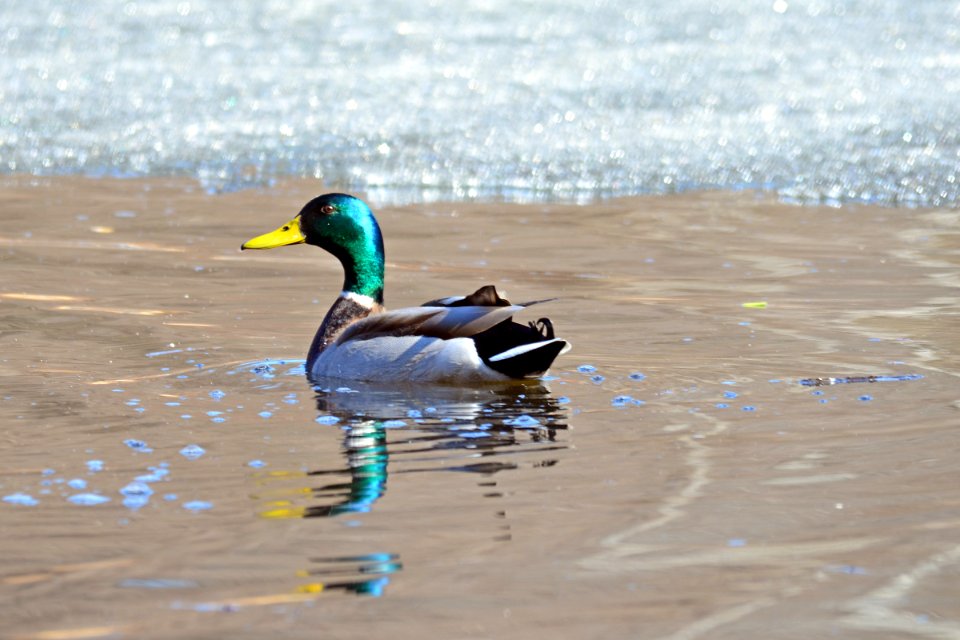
823	382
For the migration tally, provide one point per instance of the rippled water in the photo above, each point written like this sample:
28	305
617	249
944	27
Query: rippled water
822	100
753	436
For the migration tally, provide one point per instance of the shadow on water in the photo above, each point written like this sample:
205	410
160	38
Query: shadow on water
397	430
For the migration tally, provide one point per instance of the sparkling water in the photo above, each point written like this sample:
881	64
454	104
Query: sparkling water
820	100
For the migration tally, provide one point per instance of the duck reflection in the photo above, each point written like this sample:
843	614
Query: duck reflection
441	429
419	430
483	431
365	448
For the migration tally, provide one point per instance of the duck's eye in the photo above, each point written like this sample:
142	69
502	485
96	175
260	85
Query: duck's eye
327	209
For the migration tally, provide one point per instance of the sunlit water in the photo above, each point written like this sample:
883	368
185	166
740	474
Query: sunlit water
819	100
165	465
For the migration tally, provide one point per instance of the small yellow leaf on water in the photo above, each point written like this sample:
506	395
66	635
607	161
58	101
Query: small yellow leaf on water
761	304
99	229
314	587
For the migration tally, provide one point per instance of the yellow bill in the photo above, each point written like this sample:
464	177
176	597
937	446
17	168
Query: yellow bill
289	233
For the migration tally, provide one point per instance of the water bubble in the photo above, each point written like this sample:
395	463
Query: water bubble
138	445
21	499
522	421
473	434
136	489
192	451
77	483
156	475
217	394
197	505
88	499
621	401
586	368
257	464
327	420
94	465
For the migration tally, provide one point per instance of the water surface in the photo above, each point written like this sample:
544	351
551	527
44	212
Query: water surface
165	466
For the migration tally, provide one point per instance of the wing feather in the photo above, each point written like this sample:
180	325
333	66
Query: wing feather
434	322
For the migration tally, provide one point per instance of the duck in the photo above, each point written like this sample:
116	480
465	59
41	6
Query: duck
450	340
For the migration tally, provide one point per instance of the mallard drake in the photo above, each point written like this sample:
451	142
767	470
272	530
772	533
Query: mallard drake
457	339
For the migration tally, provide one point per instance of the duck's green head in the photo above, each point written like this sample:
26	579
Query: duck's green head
344	226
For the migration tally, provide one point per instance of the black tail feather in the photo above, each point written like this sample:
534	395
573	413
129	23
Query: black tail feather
509	335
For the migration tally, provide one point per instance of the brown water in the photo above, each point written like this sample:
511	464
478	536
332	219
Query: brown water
716	498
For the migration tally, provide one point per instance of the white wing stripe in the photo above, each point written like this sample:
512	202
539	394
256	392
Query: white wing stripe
516	351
